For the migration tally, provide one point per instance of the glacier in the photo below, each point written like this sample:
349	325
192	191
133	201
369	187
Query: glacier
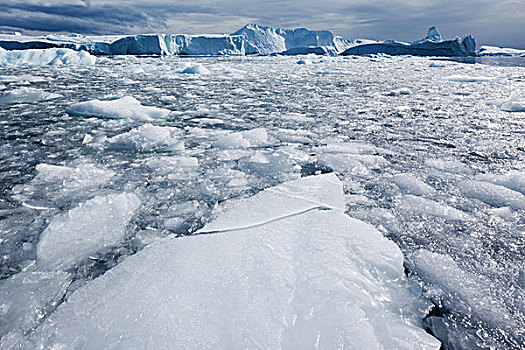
432	45
276	280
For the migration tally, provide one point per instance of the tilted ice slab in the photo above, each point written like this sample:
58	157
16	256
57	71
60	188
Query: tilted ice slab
147	138
432	45
311	279
492	194
45	57
125	107
92	226
419	205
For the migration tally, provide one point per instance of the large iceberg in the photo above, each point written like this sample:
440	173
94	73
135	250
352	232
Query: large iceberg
308	277
266	40
432	45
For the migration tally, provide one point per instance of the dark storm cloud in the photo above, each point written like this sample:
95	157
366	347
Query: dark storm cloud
493	22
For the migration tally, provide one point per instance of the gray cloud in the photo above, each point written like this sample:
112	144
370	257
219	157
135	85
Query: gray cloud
492	22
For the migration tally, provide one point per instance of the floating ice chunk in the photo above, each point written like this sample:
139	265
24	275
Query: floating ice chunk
195	69
413	185
26	95
420	205
492	194
468	79
452	166
515	180
125	107
173	165
325	280
513	104
25	299
399	92
499	51
244	139
461	291
304	61
92	226
43	57
147	138
288	199
20	78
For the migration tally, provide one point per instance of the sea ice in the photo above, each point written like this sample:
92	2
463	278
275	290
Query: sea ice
59	183
420	205
468	79
43	57
25	298
147	138
459	290
515	180
195	69
85	230
26	95
492	194
413	185
244	139
315	278
125	107
513	104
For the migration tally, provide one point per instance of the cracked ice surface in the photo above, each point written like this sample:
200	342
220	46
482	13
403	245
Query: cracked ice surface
440	168
314	278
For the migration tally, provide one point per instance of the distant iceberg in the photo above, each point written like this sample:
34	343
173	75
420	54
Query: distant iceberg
432	45
251	39
46	57
267	40
499	51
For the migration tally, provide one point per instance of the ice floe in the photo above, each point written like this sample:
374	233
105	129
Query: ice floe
125	107
195	69
147	138
492	194
206	291
85	230
424	206
513	104
26	95
244	139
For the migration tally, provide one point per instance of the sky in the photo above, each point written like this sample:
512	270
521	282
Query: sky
491	22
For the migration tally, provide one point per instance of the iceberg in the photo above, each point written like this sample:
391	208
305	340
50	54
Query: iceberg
313	278
267	40
432	45
122	108
499	51
46	57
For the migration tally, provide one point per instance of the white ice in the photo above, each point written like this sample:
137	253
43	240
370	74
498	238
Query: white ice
244	139
43	57
125	107
411	184
419	205
195	69
94	225
147	138
26	95
493	194
512	104
24	300
312	279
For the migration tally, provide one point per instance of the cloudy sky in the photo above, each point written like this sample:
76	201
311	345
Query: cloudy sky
497	22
